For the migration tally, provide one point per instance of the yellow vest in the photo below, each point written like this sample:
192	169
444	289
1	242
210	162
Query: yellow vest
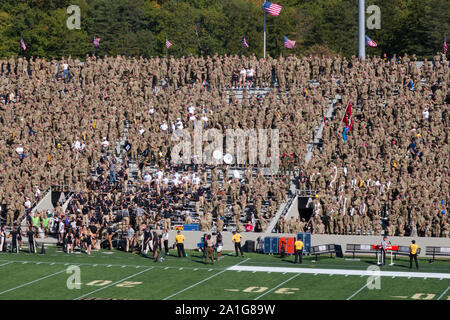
298	245
413	248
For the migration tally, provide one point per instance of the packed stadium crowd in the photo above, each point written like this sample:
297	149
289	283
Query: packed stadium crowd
61	120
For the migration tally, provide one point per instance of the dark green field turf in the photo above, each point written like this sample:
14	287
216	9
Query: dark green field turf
119	275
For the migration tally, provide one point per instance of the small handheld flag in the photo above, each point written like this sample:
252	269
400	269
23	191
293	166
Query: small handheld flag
370	42
96	42
445	45
272	8
168	44
288	43
22	44
244	43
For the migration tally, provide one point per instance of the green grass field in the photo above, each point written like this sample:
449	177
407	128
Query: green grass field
120	275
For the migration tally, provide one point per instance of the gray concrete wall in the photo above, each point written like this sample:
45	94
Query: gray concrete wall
193	237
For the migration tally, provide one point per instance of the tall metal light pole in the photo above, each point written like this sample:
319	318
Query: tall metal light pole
362	29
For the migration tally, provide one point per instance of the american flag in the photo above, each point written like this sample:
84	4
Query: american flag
22	44
168	44
96	42
288	43
244	43
272	8
370	42
445	45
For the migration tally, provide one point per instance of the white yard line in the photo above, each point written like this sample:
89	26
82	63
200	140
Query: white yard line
443	293
296	275
1	265
196	284
114	283
28	283
360	289
344	272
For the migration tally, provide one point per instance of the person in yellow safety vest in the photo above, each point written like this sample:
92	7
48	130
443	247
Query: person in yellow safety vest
35	223
179	239
45	224
298	250
413	247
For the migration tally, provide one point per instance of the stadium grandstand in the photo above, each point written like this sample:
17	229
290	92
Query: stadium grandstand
363	145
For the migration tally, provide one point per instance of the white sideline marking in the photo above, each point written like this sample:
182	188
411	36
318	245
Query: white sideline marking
114	283
361	273
294	276
1	265
443	293
28	283
195	284
358	291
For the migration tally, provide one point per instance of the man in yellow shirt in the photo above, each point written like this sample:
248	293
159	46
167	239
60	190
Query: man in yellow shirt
237	243
298	252
413	254
179	239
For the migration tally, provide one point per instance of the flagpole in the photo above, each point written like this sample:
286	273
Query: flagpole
264	35
361	29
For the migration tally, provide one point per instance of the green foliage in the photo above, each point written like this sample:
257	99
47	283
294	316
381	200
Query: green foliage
207	27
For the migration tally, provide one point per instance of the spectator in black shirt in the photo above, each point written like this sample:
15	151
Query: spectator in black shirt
147	241
110	233
13	234
31	240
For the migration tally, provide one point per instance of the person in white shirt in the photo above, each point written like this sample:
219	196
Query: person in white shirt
426	114
20	151
250	75
205	121
165	241
37	193
242	76
27	205
164	127
105	143
179	124
147	178
76	145
159	176
141	130
191	110
65	67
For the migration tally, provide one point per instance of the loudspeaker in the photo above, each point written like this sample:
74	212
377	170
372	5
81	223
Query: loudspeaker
249	246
